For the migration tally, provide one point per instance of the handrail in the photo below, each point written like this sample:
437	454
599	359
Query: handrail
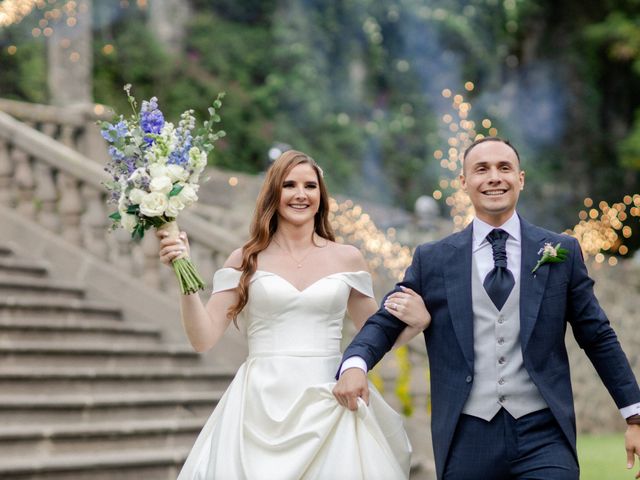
76	115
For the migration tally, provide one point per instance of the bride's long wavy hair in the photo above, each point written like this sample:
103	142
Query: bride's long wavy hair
265	219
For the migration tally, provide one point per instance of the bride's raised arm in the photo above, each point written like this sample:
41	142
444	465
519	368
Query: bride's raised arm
204	325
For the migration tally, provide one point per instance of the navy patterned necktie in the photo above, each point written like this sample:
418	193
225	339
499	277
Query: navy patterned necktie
499	281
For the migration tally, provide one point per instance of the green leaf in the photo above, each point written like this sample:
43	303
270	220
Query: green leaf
115	216
138	232
211	111
156	222
175	190
133	209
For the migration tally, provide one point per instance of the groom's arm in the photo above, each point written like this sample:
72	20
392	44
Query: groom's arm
376	338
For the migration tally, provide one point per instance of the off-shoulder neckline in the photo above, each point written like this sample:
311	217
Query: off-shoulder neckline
308	286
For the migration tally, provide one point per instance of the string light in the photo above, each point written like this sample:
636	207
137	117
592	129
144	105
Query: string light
13	11
381	251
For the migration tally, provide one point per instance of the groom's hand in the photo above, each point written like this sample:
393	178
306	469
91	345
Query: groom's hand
351	385
632	445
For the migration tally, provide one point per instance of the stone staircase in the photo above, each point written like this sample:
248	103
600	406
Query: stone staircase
86	394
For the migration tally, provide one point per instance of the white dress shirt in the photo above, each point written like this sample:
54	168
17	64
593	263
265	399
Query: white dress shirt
483	255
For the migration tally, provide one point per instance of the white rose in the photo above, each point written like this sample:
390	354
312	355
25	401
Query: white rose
176	173
153	204
161	184
188	195
136	195
174	207
128	222
158	170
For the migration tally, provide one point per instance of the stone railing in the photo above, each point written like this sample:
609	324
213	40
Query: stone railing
61	189
74	126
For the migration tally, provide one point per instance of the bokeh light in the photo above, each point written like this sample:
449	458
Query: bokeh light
381	251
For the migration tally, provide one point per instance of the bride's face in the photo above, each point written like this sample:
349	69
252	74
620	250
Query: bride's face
300	196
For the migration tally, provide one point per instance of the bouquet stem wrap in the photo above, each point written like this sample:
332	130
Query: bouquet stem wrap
188	277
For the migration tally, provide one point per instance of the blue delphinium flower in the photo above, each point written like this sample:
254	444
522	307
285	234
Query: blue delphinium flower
113	133
151	118
180	156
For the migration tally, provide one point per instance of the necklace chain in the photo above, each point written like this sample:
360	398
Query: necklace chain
298	262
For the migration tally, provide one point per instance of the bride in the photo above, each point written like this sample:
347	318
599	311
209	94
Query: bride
291	285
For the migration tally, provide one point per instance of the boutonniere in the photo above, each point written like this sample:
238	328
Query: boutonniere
550	254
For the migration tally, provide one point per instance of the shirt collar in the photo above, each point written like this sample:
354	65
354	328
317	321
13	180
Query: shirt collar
481	230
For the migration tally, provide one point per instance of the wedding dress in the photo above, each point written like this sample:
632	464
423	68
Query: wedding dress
278	419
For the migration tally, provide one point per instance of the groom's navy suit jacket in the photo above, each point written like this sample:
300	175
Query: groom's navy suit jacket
557	294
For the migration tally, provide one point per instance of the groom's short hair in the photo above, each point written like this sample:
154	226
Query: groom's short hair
478	141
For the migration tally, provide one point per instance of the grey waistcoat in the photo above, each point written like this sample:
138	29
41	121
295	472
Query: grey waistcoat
500	379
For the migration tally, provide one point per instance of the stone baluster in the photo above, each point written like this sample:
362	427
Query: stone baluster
93	145
168	280
122	257
70	208
218	260
7	193
47	197
203	260
67	136
151	263
24	182
94	221
50	130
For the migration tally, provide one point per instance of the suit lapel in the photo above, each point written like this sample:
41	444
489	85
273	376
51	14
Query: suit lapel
457	274
532	285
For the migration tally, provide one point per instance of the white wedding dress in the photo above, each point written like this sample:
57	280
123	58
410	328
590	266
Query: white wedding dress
278	419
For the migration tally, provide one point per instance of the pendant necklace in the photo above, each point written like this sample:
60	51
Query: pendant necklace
298	262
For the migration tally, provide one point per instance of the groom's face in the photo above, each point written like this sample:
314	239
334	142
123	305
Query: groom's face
492	178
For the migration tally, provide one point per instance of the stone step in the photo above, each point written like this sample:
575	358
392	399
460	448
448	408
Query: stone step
105	355
23	286
121	465
56	308
19	266
94	381
44	409
77	331
60	439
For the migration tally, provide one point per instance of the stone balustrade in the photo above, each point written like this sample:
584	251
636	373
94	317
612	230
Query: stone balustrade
75	126
50	182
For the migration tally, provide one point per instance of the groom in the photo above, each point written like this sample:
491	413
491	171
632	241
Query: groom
502	406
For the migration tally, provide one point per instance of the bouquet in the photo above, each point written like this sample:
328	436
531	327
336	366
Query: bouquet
155	168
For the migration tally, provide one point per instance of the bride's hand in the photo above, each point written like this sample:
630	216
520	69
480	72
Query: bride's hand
171	249
408	307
